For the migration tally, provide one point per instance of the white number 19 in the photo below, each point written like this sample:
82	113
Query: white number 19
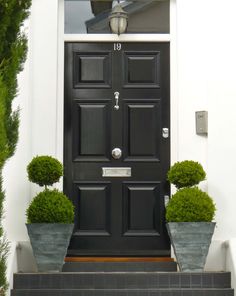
117	46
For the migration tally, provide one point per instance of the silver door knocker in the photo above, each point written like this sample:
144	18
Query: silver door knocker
116	94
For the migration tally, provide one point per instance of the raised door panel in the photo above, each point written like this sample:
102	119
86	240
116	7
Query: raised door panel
91	70
91	130
93	208
142	130
141	69
141	209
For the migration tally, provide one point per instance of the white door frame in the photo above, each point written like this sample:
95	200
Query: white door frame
62	38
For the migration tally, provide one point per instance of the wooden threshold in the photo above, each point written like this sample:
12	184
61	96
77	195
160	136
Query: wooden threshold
119	259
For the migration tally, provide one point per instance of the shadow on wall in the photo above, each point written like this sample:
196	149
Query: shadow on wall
230	262
216	256
25	258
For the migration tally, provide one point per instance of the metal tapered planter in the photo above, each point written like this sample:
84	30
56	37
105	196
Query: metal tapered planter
49	242
191	242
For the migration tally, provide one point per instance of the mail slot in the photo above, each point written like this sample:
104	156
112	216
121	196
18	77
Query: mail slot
116	172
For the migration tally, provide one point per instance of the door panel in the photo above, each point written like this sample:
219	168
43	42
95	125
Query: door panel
92	70
141	140
91	130
117	215
93	209
141	69
141	209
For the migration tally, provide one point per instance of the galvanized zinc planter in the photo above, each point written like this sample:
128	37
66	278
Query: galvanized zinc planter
191	241
49	242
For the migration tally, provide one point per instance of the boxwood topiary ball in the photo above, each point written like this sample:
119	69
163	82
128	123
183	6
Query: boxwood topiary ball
186	174
50	206
44	170
190	205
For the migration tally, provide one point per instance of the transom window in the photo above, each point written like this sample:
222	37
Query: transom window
91	16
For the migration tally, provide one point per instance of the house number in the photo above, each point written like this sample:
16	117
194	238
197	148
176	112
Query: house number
117	46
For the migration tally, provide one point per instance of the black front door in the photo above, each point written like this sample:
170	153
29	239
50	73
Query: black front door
117	147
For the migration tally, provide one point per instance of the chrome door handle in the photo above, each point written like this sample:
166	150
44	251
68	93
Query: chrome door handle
116	94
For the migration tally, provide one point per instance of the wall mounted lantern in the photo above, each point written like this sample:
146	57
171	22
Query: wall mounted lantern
118	20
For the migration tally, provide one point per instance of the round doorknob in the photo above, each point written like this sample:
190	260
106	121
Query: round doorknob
116	153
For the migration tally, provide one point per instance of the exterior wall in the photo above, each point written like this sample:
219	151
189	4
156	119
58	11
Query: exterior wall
37	101
222	119
207	81
204	79
192	79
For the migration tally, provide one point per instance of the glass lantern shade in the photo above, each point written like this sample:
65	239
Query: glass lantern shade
118	20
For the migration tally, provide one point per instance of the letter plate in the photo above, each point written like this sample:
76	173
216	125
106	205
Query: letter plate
116	172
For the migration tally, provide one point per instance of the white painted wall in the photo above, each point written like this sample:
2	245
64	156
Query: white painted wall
37	100
222	119
192	78
44	73
204	79
207	80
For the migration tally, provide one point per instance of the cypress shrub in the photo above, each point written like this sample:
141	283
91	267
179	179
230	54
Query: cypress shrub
13	49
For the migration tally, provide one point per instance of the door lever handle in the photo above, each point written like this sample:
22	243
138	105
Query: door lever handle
116	94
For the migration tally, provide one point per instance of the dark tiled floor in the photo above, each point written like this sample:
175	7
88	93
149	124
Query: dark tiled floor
159	292
121	280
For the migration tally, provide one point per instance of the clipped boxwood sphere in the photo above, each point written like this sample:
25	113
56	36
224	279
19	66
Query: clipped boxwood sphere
44	170
190	205
50	206
186	174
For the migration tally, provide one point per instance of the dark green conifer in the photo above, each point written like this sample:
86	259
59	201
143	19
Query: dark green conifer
13	49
